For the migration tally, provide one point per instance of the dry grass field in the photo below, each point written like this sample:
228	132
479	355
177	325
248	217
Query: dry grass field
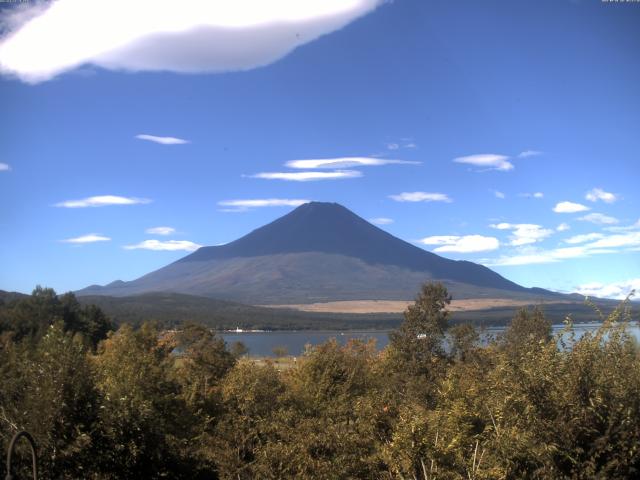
398	306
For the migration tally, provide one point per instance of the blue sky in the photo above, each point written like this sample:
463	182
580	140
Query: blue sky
464	127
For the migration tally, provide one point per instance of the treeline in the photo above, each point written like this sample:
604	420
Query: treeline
146	403
170	310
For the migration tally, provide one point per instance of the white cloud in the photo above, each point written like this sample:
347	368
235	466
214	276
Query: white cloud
169	245
393	146
89	238
308	176
529	153
616	290
165	35
524	233
543	256
244	205
563	227
345	162
421	197
501	226
599	219
570	207
162	140
381	221
4	167
462	244
606	245
631	239
160	230
489	160
587	237
102	201
499	194
596	194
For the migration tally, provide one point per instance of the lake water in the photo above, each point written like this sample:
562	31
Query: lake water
262	344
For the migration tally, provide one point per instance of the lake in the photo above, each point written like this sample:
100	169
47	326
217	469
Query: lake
261	344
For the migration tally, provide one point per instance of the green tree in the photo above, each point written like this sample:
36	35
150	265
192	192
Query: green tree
416	354
30	317
252	396
204	360
463	340
143	417
49	391
421	334
528	329
327	426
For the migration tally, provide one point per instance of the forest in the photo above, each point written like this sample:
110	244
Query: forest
114	403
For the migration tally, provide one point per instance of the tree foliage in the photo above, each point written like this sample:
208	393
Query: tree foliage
437	403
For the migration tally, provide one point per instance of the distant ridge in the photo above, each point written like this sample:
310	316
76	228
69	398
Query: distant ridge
317	252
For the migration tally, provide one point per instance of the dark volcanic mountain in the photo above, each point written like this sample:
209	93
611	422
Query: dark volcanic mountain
318	252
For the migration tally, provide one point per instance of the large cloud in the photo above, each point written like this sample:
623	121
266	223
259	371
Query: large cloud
165	35
524	233
617	290
462	244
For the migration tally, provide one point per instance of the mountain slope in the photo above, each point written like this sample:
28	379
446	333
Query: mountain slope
317	252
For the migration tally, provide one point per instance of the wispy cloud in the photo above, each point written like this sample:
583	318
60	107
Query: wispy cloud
529	153
89	238
599	219
160	230
587	237
162	140
345	162
494	161
606	245
489	161
102	201
186	36
308	176
563	227
541	256
381	221
524	233
499	194
626	228
406	143
616	290
596	194
4	167
570	207
462	244
618	240
168	245
421	197
532	195
336	165
244	205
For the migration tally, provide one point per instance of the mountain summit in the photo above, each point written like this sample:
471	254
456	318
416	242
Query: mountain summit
317	252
